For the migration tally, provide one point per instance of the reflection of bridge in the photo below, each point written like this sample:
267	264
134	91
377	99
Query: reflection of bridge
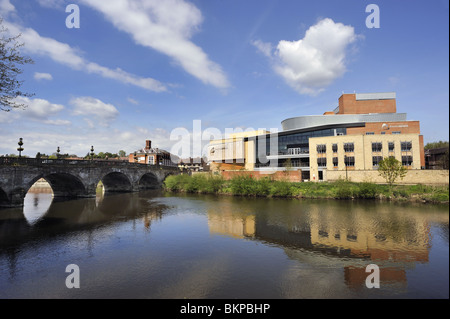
75	178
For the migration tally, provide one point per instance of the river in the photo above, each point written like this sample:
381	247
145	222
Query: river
158	245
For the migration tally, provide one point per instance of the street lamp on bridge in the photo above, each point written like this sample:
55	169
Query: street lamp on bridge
57	152
20	148
92	153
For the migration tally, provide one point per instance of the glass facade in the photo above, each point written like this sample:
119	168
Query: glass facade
290	144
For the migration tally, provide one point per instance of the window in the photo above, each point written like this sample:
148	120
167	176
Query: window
377	146
334	148
335	161
396	132
382	133
349	161
376	160
322	162
391	146
406	146
321	148
349	147
370	133
407	160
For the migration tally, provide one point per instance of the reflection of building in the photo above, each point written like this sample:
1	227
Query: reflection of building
153	156
361	131
224	223
312	234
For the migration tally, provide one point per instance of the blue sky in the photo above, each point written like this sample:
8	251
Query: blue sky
137	70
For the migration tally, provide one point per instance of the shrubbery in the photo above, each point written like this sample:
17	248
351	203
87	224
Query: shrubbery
266	187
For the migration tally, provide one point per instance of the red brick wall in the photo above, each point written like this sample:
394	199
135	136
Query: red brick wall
290	176
349	105
406	127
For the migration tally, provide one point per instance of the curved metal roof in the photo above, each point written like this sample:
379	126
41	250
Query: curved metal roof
314	121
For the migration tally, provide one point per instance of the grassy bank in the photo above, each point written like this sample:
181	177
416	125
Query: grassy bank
248	186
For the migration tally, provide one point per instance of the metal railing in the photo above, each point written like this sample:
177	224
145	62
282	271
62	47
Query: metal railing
26	161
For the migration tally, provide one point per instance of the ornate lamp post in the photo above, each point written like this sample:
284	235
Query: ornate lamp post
92	153
57	152
20	148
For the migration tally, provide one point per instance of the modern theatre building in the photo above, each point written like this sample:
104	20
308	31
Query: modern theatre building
356	135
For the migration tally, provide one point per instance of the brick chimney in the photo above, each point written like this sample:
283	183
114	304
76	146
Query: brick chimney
148	144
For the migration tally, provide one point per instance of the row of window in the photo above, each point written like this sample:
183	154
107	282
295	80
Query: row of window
349	161
376	147
383	133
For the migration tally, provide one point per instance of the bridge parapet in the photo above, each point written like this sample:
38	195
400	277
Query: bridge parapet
18	161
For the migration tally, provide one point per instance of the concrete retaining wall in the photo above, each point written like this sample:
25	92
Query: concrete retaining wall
427	177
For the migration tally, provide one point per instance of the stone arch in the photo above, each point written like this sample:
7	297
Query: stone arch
4	200
149	181
64	185
114	182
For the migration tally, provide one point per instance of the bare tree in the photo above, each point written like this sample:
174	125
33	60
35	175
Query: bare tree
10	62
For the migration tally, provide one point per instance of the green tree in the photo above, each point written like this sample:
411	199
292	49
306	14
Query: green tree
10	61
122	153
390	169
440	144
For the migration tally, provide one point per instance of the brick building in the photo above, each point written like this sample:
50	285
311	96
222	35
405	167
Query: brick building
356	135
153	156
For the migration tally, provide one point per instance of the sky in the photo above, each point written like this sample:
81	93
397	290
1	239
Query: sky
133	70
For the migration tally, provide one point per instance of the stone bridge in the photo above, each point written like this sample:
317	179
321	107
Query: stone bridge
76	178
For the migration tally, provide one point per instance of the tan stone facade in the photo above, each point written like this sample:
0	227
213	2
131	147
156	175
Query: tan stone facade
425	177
359	152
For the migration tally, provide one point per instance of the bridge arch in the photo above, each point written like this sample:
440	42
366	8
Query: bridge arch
114	182
149	181
63	185
4	200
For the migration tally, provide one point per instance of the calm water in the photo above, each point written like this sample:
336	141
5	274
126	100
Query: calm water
154	245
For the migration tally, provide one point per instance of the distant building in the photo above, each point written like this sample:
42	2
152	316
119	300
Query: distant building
437	158
153	156
193	164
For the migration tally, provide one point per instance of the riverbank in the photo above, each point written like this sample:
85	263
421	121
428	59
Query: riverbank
342	189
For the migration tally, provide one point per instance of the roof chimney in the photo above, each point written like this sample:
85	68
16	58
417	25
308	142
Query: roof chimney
148	144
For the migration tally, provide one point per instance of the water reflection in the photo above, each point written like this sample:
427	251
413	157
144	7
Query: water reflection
157	245
37	201
394	237
44	217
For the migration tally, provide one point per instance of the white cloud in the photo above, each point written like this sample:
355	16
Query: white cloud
52	3
314	62
6	7
165	26
264	47
103	140
42	76
92	107
40	108
37	110
71	57
132	101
